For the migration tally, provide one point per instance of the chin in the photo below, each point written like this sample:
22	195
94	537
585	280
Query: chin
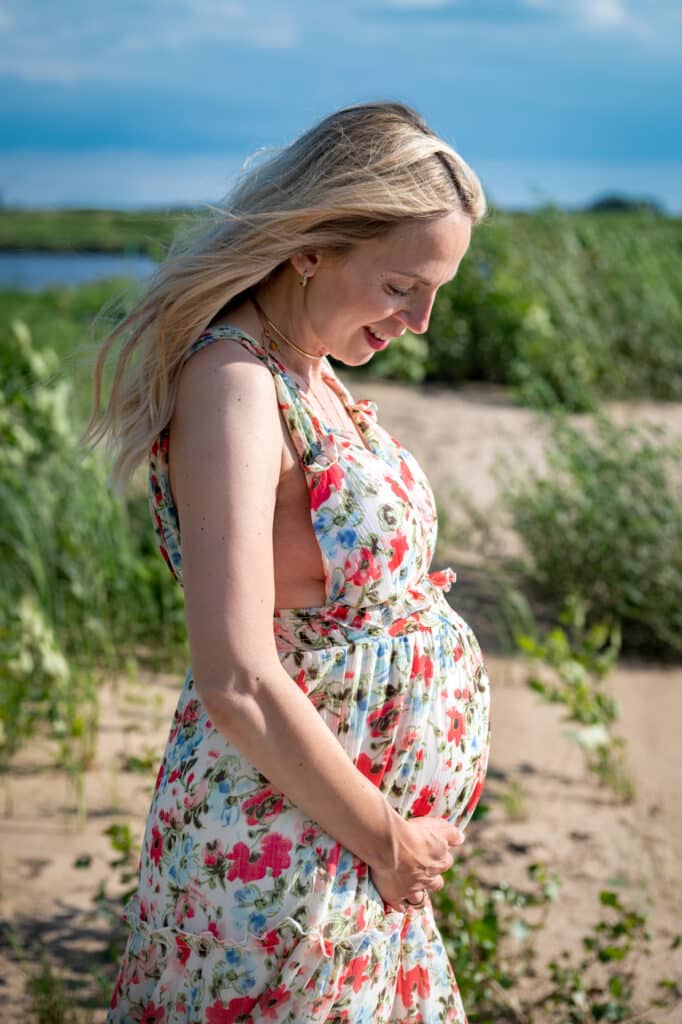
352	360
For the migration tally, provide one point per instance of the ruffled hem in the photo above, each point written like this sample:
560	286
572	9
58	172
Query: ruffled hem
287	933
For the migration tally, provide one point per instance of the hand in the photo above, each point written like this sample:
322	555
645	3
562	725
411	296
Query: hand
423	855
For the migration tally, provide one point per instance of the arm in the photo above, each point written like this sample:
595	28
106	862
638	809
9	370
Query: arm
226	450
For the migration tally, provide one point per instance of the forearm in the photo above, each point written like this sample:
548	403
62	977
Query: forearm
273	724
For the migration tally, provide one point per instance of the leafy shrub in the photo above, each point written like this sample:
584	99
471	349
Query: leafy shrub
569	665
604	525
564	308
81	583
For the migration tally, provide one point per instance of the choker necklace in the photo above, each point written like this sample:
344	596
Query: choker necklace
273	327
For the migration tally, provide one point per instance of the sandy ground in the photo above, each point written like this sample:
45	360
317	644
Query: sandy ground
557	815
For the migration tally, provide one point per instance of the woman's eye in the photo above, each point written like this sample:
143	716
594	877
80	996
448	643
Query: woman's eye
395	291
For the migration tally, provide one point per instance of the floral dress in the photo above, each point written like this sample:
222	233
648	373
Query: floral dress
246	910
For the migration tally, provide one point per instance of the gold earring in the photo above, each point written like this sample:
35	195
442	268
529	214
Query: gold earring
303	280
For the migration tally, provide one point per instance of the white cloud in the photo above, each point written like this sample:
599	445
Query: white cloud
45	44
593	14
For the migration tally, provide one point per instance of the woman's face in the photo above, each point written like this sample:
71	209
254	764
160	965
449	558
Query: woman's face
382	287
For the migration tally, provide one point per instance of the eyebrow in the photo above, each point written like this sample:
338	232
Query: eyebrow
418	277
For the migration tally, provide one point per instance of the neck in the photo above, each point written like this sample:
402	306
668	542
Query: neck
283	301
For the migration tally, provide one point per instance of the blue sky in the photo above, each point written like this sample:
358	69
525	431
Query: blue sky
160	101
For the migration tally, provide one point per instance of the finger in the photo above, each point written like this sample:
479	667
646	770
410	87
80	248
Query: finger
455	837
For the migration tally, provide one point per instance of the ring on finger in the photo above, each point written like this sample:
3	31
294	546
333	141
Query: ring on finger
409	903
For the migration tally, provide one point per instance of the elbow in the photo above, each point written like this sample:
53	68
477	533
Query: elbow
225	695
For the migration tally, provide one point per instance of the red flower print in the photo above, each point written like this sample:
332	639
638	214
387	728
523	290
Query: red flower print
236	1010
371	771
182	950
332	861
264	805
151	1014
117	991
270	940
159	775
191	713
399	546
475	796
417	977
214	856
406	475
300	681
322	488
271	999
443	578
275	855
156	849
356	972
385	717
397	489
424	802
422	665
456	730
361	567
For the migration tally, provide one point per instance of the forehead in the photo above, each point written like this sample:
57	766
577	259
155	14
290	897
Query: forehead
431	249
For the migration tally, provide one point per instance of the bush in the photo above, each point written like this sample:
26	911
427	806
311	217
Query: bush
564	308
81	582
604	525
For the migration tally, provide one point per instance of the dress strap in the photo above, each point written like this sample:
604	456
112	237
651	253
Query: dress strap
304	427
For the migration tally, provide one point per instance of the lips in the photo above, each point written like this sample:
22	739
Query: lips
374	341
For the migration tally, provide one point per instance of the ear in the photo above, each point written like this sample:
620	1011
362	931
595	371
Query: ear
306	263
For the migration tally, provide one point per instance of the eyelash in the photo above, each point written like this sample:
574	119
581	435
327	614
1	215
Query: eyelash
392	290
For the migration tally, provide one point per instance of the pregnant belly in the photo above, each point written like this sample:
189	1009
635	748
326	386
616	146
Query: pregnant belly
410	709
225	851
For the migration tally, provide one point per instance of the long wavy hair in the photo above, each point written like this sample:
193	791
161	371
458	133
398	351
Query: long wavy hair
351	177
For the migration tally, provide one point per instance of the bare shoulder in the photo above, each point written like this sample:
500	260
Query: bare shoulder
226	412
224	384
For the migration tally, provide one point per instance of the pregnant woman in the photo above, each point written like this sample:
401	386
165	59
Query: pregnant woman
331	739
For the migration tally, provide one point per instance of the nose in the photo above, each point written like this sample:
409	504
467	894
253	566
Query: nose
417	315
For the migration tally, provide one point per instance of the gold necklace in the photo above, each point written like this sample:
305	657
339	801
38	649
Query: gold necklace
273	327
268	326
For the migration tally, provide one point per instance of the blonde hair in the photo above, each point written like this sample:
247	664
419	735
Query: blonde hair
351	177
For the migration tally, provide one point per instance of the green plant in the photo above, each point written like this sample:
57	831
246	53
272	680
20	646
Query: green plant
493	937
126	861
82	584
604	523
565	308
514	801
572	663
487	933
582	993
50	1001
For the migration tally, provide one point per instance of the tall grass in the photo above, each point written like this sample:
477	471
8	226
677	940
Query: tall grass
82	586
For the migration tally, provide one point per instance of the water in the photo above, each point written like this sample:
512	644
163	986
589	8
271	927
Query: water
33	271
